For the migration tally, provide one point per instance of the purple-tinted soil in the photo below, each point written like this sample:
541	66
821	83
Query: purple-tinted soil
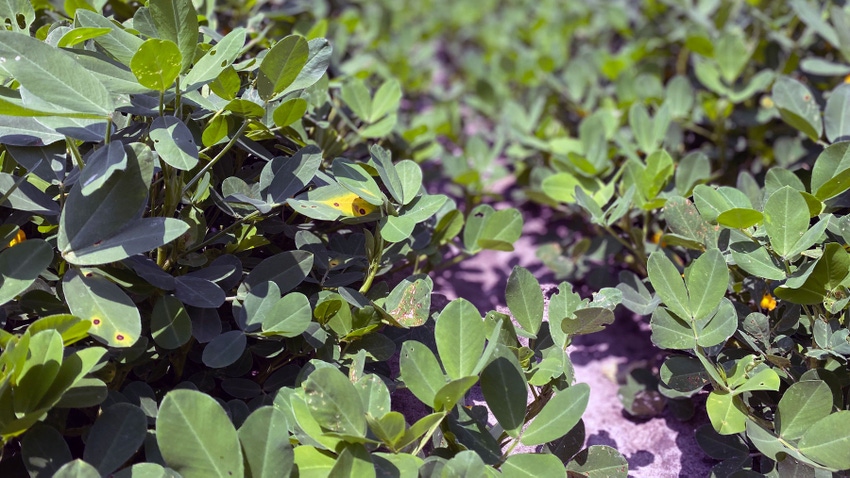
658	447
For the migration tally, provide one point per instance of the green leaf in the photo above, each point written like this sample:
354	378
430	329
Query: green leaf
286	269
797	106
290	316
356	95
225	349
720	447
506	392
409	303
264	437
396	228
389	428
739	218
831	172
727	413
671	332
558	416
281	66
171	326
420	371
118	43
374	395
683	374
101	166
684	220
501	230
282	177
320	51
13	11
668	284
157	64
355	178
718	328
410	175
464	464
452	392
460	335
196	438
389	175
177	21
53	76
756	260
386	100
525	299
330	399
174	143
115	437
44	451
114	317
827	441
642	127
732	54
216	60
707	279
598	461
87	219
659	170
786	218
77	469
837	113
312	462
353	460
531	465
561	187
771	446
587	321
80	35
145	470
289	112
802	404
21	265
139	236
474	226
821	67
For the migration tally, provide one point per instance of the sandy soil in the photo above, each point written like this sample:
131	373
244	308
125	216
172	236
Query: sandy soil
658	447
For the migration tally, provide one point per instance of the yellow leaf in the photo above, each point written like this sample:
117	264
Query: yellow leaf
349	204
19	238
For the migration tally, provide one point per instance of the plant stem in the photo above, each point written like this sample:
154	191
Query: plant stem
217	157
375	263
224	231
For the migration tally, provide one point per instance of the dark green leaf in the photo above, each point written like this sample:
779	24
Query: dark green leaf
115	437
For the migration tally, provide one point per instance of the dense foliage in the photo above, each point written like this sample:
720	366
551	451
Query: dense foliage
219	232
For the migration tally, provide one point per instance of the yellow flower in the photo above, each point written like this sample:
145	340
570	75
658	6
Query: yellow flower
19	238
767	301
656	239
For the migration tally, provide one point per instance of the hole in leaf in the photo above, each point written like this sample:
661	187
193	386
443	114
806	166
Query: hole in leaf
22	21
